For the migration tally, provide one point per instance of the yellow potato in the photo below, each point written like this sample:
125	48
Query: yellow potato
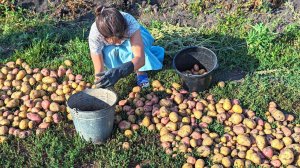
173	117
23	124
167	138
237	109
146	121
236	118
128	133
199	163
48	80
68	63
20	75
171	126
185	130
156	84
226	162
239	163
244	140
277	144
260	142
286	156
227	105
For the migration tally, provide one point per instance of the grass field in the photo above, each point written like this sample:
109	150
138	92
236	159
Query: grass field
271	61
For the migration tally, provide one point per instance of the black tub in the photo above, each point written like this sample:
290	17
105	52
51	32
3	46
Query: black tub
185	60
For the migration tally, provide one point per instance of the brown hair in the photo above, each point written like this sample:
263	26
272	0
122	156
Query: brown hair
110	22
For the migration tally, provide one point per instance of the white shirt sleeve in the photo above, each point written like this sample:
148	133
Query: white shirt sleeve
133	24
96	43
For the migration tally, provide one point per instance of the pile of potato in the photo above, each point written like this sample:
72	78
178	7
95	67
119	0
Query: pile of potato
196	70
183	119
33	99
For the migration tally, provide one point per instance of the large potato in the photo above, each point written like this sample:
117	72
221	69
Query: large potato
48	80
286	156
244	140
185	130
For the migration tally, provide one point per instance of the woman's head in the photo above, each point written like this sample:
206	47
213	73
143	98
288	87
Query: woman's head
111	24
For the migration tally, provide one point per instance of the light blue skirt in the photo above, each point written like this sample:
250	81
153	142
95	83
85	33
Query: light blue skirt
115	55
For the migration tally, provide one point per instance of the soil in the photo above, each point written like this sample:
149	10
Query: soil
180	12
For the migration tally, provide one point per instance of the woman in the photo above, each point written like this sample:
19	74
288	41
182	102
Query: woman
118	42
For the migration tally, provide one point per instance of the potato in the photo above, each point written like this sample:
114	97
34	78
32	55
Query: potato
203	151
185	130
278	115
20	75
227	105
296	137
286	156
54	107
197	114
23	125
176	86
207	141
128	133
156	84
253	157
146	121
249	123
124	125
25	89
165	102
207	119
13	103
276	163
3	130
17	95
217	158
59	99
68	63
260	142
236	118
168	137
238	130
136	89
3	139
57	118
48	80
226	162
185	120
178	98
286	131
224	150
244	140
171	126
44	125
34	117
277	144
199	163
268	152
187	165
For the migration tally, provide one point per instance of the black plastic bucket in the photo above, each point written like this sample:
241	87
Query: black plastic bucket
187	58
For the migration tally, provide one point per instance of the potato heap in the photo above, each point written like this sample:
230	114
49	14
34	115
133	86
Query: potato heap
32	99
183	120
196	70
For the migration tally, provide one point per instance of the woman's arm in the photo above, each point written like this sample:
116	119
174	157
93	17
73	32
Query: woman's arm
98	62
137	47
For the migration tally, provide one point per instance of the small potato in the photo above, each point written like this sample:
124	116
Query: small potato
44	125
278	115
277	144
199	163
268	152
203	151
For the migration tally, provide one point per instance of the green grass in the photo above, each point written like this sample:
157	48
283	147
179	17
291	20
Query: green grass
271	61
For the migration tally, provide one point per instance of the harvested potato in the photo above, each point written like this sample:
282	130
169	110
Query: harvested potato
48	80
156	84
277	144
236	118
54	107
249	123
226	162
185	130
167	137
23	124
227	105
203	151
146	121
237	109
286	156
260	142
68	63
278	115
244	140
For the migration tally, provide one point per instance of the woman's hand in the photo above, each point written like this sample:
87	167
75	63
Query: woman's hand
112	76
137	47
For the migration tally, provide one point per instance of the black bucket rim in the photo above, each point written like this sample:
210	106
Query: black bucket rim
114	104
195	76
